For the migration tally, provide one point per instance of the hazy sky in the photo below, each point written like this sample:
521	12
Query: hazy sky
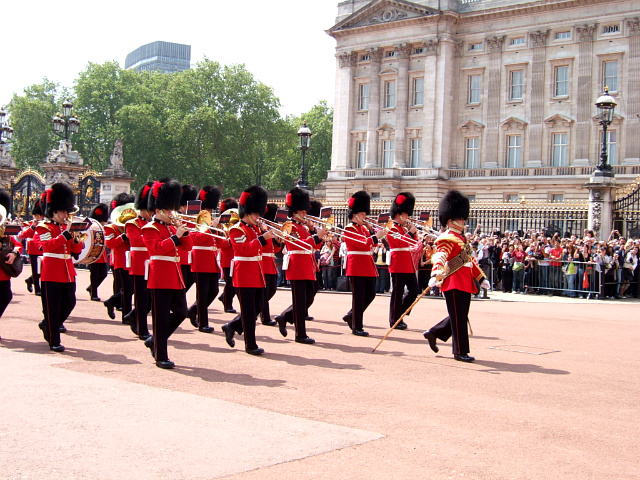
282	42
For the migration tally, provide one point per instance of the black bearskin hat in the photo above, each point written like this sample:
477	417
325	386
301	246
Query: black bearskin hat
59	197
270	214
100	212
297	199
5	200
37	208
165	195
209	196
403	203
142	196
189	193
359	202
120	199
253	200
314	208
453	205
228	203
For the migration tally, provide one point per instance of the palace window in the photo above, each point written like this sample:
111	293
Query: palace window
475	47
362	154
472	149
516	78
474	89
419	50
563	35
418	91
512	198
390	94
518	41
561	88
557	198
611	28
611	147
559	150
387	153
416	152
610	75
363	104
365	58
392	53
514	151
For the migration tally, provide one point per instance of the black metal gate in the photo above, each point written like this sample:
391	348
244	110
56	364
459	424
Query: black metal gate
88	191
626	214
25	191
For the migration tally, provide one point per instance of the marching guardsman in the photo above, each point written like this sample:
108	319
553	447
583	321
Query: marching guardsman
361	268
138	257
301	271
401	239
204	264
8	242
247	241
189	193
226	255
456	271
164	238
99	269
269	268
58	275
33	247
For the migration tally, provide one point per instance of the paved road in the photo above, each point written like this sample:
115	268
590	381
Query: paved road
554	393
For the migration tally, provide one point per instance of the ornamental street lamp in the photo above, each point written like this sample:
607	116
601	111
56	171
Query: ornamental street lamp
6	132
606	106
65	124
305	139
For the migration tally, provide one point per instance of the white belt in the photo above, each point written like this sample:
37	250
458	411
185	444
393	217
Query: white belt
403	249
359	253
268	255
139	249
165	259
298	252
63	256
257	258
211	249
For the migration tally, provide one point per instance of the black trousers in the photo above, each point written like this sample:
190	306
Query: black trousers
35	276
169	310
303	293
400	301
142	304
97	274
187	277
58	301
229	290
363	291
269	291
122	297
251	300
5	295
455	325
206	292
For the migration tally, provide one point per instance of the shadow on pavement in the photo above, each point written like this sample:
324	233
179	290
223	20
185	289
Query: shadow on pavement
217	376
497	367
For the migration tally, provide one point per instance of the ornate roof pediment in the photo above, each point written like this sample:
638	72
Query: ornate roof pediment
558	120
386	127
513	122
471	126
380	12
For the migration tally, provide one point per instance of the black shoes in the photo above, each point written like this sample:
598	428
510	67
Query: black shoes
144	336
134	327
431	338
45	333
347	318
193	318
228	334
150	345
29	282
110	309
308	318
401	326
360	333
269	322
206	329
62	329
95	299
464	358
305	340
282	325
128	319
230	310
254	351
57	348
166	364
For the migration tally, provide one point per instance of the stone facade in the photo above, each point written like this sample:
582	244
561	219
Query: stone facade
494	97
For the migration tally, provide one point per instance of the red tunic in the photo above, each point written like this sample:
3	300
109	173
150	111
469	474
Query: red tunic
164	255
400	242
302	265
448	245
33	240
359	255
138	253
268	257
118	246
17	247
247	261
57	264
204	252
226	254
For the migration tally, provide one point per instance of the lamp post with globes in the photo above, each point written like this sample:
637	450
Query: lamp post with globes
304	134
65	124
606	105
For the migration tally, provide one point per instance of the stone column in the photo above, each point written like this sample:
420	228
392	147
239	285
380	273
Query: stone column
343	110
402	106
537	101
430	105
632	130
494	97
375	55
601	205
443	128
586	102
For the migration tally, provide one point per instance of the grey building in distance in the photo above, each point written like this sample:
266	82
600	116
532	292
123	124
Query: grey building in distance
164	56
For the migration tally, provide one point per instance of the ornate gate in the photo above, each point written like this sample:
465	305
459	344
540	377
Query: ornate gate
25	190
88	191
626	212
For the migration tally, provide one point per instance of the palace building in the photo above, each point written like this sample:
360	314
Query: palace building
493	97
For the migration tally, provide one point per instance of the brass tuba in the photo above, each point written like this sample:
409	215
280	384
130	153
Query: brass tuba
122	214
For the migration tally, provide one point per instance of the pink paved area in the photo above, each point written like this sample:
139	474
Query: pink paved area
554	393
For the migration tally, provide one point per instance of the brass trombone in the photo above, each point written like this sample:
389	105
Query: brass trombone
202	223
330	227
387	229
283	233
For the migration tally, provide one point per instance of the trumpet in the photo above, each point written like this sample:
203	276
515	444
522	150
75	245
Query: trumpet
387	229
424	227
329	225
283	233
